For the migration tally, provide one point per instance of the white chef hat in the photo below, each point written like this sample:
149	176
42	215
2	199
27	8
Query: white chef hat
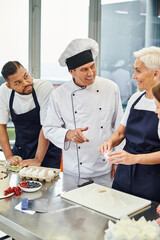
79	52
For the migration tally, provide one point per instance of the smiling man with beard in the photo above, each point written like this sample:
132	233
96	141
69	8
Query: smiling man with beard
25	101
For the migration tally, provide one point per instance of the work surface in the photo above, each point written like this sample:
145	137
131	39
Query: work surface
108	201
63	221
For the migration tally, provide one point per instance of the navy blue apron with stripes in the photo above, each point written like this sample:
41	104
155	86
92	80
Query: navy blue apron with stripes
27	129
141	137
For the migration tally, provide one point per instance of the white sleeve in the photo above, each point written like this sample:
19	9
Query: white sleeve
117	118
54	126
43	93
118	114
4	105
129	105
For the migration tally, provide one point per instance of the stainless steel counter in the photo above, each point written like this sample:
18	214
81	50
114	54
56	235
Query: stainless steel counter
64	220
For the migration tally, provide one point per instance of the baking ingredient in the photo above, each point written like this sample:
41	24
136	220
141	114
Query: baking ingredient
29	184
15	190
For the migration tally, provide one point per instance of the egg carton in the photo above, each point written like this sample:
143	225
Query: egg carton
39	173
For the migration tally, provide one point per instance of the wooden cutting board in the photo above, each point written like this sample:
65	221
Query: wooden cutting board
106	200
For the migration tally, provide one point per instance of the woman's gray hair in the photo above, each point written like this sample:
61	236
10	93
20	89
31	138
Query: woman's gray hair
150	56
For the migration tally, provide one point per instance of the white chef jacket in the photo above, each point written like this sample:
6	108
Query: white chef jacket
25	103
98	107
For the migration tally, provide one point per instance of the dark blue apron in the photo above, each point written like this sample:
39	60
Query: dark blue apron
27	129
141	137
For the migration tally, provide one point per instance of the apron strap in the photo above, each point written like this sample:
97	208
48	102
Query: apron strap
137	100
11	99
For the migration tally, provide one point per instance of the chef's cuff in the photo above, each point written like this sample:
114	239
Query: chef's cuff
67	145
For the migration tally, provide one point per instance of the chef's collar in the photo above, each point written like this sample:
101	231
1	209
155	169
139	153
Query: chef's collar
79	87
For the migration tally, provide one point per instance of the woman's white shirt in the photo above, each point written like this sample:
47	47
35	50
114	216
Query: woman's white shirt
143	104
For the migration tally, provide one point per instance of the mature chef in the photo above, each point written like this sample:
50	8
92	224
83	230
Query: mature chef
25	100
83	112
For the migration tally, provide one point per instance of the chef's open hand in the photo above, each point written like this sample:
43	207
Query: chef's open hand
121	157
105	147
30	162
77	135
14	160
